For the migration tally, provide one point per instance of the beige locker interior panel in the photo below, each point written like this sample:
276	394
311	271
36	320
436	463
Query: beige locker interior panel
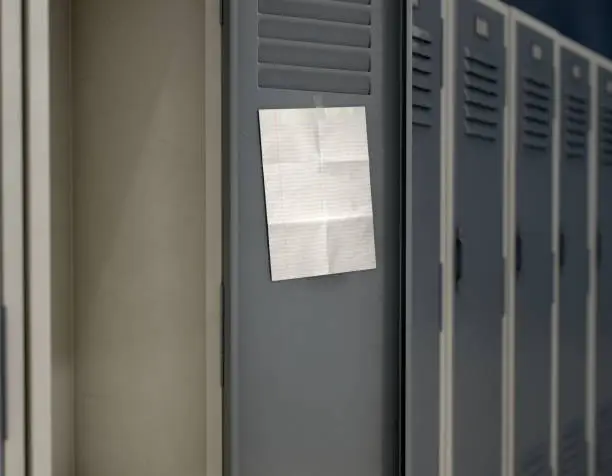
139	222
49	238
126	260
12	235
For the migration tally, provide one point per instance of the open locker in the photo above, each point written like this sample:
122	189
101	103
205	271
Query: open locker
573	258
531	147
603	144
478	81
123	140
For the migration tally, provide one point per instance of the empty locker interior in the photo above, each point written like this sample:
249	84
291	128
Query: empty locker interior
124	220
532	129
603	399
478	80
575	122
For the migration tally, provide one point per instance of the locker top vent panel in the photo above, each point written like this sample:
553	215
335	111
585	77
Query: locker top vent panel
535	91
315	45
605	134
605	118
482	95
536	114
425	78
576	105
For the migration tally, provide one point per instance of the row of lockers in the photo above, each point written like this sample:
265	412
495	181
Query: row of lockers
512	144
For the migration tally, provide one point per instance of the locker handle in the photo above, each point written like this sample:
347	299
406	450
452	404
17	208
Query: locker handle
561	251
599	249
519	253
458	259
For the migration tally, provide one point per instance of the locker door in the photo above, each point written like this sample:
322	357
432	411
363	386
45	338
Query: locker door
604	276
479	267
535	95
423	348
573	262
313	369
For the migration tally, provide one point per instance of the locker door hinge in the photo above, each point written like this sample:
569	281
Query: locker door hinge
222	333
441	53
505	78
553	103
3	371
590	102
440	298
503	286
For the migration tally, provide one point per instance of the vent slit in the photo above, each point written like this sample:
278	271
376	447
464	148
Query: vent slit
481	90
482	77
537	120
482	122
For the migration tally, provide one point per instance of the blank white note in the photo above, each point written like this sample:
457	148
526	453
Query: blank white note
316	168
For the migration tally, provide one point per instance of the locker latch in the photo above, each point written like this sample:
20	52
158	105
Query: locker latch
458	259
519	253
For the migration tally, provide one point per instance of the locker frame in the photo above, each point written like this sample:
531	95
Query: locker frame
577	48
13	248
449	95
516	18
446	261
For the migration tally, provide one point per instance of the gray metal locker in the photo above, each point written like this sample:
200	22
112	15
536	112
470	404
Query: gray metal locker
423	346
312	365
573	261
534	51
604	275
479	124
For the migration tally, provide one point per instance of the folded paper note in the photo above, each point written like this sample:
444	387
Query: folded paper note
316	169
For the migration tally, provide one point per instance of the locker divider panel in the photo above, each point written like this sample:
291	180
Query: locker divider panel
13	460
423	348
479	264
312	365
573	262
535	98
604	277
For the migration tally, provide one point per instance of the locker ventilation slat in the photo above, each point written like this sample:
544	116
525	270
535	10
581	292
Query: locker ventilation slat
536	124
481	97
576	126
423	55
315	45
605	135
604	440
572	451
536	462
